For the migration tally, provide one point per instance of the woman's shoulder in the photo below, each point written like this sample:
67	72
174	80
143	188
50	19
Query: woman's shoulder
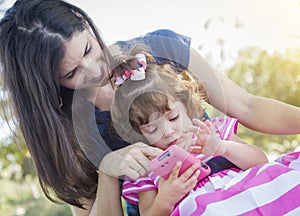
169	33
159	34
165	45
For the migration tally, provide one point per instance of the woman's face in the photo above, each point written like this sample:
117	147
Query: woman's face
83	65
164	130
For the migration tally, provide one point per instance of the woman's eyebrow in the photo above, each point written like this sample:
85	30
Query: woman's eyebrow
74	70
86	49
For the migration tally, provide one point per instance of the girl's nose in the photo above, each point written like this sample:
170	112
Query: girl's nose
169	130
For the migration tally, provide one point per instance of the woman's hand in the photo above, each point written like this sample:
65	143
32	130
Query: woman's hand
176	187
131	161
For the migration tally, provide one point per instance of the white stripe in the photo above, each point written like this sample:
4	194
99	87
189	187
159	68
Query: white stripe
134	182
228	129
135	189
132	199
295	164
294	212
255	197
187	206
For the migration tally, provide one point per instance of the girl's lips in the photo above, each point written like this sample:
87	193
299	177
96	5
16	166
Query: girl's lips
174	142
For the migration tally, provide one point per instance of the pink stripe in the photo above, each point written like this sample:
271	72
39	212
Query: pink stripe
225	126
287	159
259	175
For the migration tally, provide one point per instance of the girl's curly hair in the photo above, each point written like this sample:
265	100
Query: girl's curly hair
135	101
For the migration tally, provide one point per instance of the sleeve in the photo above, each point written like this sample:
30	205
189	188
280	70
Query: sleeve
165	45
131	188
225	126
106	130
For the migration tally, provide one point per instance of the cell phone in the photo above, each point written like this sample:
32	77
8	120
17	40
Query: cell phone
163	164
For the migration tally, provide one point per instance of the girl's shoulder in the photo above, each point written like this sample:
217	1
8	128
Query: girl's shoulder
225	126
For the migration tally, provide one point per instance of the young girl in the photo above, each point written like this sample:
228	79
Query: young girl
171	100
160	108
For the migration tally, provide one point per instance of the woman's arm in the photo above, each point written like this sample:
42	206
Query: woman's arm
108	199
257	113
82	212
131	161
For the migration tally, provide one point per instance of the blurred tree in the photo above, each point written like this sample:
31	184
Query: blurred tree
2	7
270	75
13	153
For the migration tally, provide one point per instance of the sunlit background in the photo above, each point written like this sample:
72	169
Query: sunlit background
255	42
268	24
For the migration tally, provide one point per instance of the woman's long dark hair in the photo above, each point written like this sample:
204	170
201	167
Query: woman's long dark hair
32	36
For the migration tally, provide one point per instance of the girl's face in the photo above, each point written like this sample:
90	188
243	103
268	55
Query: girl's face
164	130
83	65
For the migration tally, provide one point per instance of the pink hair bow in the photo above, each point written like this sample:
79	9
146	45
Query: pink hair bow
133	74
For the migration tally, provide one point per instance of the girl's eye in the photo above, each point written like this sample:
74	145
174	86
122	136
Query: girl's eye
174	118
152	131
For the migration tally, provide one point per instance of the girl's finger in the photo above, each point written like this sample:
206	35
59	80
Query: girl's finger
208	124
202	125
192	181
193	129
196	149
188	173
175	171
198	122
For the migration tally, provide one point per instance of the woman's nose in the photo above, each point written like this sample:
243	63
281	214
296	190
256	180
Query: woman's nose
90	68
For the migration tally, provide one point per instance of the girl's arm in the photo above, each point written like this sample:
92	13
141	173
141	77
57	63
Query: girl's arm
240	153
170	191
235	150
257	113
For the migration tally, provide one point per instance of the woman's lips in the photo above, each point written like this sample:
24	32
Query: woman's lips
97	79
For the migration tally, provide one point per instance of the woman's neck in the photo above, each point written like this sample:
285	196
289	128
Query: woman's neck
101	96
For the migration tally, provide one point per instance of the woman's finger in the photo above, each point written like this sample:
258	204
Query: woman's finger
131	161
141	156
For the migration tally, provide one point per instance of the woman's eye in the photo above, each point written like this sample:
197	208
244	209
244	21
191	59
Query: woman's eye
71	74
88	49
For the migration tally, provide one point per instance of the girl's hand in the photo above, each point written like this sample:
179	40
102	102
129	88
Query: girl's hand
131	161
207	141
176	187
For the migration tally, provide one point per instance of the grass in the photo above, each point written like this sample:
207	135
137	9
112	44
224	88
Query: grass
24	198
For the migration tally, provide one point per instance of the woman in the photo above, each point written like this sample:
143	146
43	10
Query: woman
48	49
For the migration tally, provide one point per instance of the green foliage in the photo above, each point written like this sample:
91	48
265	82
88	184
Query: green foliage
274	76
24	197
